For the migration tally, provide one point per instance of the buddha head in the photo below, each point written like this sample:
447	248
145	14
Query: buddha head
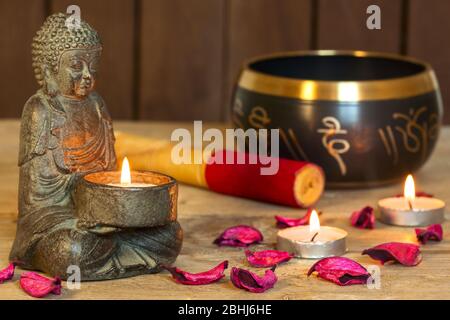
65	60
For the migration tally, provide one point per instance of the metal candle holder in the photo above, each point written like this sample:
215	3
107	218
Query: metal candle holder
101	204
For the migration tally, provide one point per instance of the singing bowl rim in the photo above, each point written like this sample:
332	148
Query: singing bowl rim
400	87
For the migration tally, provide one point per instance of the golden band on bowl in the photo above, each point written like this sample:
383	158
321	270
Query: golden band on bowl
304	89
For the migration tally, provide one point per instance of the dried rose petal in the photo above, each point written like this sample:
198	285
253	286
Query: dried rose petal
364	218
418	194
433	232
7	273
38	286
207	277
285	222
405	253
247	280
239	236
340	270
267	258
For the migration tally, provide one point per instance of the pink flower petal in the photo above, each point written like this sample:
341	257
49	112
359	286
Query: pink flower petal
433	232
364	218
247	280
340	270
207	277
405	253
267	258
39	286
7	273
239	236
285	222
418	194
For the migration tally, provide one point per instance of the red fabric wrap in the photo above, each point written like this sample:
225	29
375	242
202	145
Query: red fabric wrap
245	180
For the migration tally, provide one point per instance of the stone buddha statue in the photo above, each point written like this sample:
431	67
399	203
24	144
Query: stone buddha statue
66	132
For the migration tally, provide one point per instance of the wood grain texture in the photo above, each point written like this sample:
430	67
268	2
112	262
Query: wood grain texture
342	25
181	59
19	21
199	208
114	21
428	30
257	27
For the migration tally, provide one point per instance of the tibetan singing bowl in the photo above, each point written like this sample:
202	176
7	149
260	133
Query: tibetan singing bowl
367	118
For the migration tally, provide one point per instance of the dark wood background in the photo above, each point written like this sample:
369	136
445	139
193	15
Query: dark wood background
178	59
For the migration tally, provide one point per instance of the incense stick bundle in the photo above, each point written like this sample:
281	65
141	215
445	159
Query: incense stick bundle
297	183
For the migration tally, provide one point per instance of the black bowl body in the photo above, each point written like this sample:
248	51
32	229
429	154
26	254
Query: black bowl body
367	118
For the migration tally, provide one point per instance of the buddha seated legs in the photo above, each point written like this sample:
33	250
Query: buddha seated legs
104	256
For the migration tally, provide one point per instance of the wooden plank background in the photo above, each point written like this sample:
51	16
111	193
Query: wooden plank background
342	25
19	21
428	26
178	59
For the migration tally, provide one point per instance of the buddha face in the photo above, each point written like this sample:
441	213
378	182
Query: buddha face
77	71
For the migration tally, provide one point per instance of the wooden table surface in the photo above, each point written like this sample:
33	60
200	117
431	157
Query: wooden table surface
204	215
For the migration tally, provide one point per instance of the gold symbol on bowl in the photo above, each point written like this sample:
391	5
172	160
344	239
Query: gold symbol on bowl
331	145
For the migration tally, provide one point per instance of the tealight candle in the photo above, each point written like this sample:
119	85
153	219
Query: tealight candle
125	178
409	210
313	241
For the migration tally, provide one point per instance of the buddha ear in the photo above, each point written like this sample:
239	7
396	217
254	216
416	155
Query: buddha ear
50	85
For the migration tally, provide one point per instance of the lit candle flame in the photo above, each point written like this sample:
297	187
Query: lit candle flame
125	178
410	191
314	223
